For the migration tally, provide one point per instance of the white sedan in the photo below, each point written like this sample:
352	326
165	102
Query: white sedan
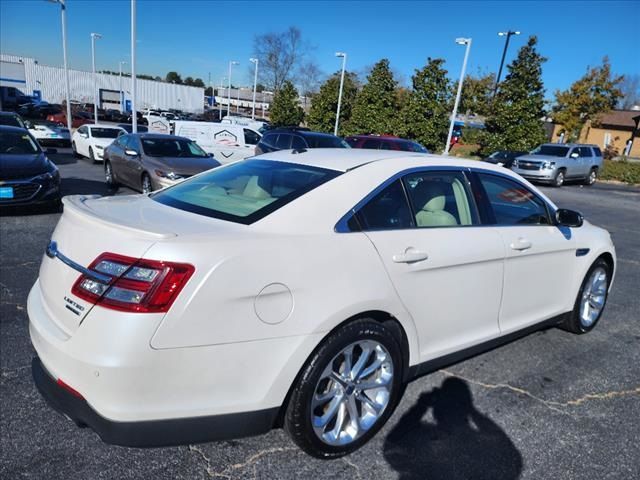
50	133
299	289
91	140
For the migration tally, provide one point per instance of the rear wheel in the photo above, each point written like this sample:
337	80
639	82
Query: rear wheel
147	187
91	155
346	391
109	178
593	176
558	181
591	300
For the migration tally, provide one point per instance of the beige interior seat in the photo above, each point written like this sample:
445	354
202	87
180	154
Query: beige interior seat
255	190
432	196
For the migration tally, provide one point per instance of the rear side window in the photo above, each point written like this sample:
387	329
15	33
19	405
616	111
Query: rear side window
597	152
371	144
512	203
585	152
388	210
298	143
270	140
283	142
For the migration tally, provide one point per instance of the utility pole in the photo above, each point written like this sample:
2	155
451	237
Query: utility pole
467	42
344	63
504	54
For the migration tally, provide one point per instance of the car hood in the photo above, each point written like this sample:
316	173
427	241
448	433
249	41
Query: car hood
22	166
103	142
185	166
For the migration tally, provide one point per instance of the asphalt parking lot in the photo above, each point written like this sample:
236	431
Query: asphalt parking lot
552	405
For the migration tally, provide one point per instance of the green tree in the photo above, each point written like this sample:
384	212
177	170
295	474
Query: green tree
596	92
173	77
517	112
324	104
188	81
376	105
476	94
425	115
198	83
286	109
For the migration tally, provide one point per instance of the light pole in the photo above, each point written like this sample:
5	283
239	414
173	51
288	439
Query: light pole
121	92
255	86
344	63
67	89
504	54
231	63
467	42
134	113
220	103
94	36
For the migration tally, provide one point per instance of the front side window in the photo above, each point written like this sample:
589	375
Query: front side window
512	203
283	142
251	137
246	191
440	199
585	152
388	210
171	147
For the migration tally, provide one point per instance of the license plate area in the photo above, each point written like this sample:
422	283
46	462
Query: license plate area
6	192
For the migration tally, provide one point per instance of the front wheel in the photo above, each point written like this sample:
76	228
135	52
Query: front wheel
109	177
147	186
591	179
591	300
347	390
558	181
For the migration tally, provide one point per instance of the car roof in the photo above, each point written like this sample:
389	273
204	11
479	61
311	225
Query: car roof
345	159
159	135
8	114
10	128
570	144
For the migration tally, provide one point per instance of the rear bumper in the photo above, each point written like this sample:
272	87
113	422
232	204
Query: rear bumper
154	433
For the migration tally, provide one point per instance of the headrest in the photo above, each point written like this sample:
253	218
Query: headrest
431	195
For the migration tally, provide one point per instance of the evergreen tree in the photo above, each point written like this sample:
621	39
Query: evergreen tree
476	94
376	106
425	116
286	110
322	115
516	121
596	92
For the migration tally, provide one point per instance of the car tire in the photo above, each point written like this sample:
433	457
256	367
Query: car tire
92	157
75	152
591	300
558	180
146	184
320	402
109	177
593	176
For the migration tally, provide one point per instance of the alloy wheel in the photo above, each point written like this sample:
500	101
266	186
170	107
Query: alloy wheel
146	185
108	173
559	179
594	296
352	393
592	177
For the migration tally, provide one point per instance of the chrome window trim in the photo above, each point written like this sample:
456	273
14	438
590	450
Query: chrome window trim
343	227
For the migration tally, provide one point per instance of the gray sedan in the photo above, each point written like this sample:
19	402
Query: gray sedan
147	161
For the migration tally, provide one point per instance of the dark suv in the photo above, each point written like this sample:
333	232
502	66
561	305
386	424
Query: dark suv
385	142
297	139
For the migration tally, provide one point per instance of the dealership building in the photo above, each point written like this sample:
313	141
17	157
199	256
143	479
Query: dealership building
23	76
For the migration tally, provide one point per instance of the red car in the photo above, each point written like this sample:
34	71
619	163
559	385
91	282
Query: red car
384	142
77	119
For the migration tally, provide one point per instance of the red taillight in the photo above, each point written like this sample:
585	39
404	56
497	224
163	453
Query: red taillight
69	389
136	285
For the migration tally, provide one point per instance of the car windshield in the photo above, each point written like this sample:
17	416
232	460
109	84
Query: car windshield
551	151
244	192
172	147
325	141
12	121
105	132
17	143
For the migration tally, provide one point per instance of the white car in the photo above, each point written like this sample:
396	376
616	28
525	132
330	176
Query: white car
91	140
50	133
298	290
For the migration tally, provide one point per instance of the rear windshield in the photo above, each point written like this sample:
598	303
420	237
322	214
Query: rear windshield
17	143
325	141
11	120
551	150
105	132
172	147
246	191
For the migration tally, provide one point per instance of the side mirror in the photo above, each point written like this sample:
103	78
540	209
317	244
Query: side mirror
51	151
574	155
29	125
569	218
210	155
130	153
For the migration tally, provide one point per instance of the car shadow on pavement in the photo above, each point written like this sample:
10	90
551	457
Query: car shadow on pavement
458	443
81	186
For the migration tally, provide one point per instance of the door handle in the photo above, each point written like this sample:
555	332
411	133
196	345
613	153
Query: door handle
410	255
521	244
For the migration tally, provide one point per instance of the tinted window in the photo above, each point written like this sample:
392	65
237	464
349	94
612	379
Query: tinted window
251	137
171	147
371	144
412	147
353	141
388	146
298	143
245	191
270	140
585	152
11	120
17	143
105	132
597	152
551	150
513	203
325	141
440	199
82	130
387	210
283	142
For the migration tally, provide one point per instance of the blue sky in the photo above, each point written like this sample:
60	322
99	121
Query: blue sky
198	37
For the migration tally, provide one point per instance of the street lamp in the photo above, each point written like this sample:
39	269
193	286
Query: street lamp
344	63
467	42
94	36
255	85
220	103
504	53
121	92
67	89
134	113
229	92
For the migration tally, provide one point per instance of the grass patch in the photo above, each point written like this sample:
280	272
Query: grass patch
621	171
466	151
